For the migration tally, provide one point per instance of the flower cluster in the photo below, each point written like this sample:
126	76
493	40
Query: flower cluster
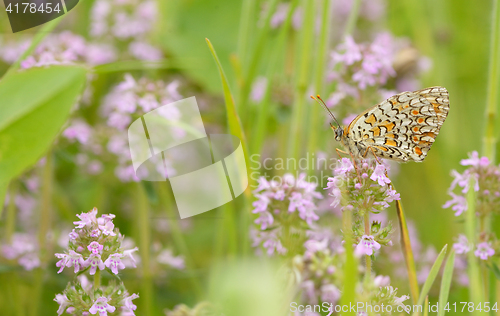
126	102
484	178
68	48
368	244
81	297
23	248
363	189
483	250
125	24
320	271
131	97
94	245
285	210
369	190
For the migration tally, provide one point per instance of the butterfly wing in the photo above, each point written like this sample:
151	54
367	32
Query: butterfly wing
404	126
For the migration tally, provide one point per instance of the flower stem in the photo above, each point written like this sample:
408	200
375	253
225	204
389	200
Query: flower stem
368	259
350	270
476	291
319	82
353	18
97	279
492	99
306	45
44	227
143	217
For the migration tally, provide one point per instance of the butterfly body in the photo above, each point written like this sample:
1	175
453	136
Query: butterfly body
401	128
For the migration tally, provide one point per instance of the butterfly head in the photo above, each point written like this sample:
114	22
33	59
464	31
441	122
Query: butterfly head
339	132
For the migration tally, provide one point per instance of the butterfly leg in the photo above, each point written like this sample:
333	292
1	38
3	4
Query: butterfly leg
341	152
373	153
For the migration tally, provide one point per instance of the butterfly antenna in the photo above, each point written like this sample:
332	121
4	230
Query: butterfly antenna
323	104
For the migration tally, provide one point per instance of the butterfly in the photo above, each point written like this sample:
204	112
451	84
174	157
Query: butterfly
401	128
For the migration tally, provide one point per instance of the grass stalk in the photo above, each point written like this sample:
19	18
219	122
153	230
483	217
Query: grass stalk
492	99
315	118
260	129
306	45
368	259
143	222
254	61
177	236
44	227
353	18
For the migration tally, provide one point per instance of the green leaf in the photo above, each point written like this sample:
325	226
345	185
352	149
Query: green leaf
35	105
432	275
233	119
446	282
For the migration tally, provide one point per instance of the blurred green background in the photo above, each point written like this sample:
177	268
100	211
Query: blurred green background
453	34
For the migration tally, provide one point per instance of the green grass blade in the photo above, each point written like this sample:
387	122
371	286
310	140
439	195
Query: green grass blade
316	117
492	100
233	119
426	306
432	275
297	137
407	252
256	57
444	291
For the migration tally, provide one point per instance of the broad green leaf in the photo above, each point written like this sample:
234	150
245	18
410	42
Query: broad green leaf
444	291
35	105
432	276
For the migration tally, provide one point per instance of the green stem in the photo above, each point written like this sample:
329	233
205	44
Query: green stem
350	273
44	227
260	129
368	259
353	18
254	62
177	236
306	45
143	217
492	99
97	279
476	291
315	118
247	13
